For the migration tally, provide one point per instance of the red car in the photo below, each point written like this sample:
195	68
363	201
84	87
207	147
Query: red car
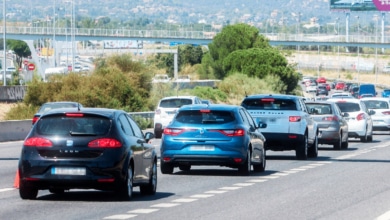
321	79
340	86
327	86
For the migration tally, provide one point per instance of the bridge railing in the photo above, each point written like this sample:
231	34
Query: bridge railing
49	31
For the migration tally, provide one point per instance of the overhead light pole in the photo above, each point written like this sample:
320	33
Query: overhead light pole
4	66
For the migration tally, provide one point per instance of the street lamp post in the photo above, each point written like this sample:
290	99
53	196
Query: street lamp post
338	47
4	66
358	49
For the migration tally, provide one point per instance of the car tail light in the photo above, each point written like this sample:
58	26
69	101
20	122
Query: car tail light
37	142
386	112
106	180
232	132
105	143
294	118
35	119
205	110
268	100
330	118
237	160
360	116
74	115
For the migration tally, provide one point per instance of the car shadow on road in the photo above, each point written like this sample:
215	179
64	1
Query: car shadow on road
101	196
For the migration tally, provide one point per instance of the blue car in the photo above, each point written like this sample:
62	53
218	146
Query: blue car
386	93
224	135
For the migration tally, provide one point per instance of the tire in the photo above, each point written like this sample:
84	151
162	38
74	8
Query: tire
344	145
158	133
245	168
260	167
313	150
301	151
337	146
185	167
126	189
166	168
369	138
27	192
365	137
151	188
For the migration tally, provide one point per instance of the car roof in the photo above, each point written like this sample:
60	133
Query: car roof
225	107
106	112
175	97
277	96
344	100
375	98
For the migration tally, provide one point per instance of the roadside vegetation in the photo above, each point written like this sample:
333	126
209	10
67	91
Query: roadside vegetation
239	57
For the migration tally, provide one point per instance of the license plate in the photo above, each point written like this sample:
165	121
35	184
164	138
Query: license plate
202	148
78	171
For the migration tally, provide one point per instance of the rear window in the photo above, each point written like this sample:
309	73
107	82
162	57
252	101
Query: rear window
376	104
47	107
319	109
269	104
348	106
62	125
175	103
204	117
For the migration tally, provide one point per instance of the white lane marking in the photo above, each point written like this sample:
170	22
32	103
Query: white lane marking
269	177
306	167
243	184
184	200
120	216
216	191
143	211
230	188
165	205
298	169
316	164
280	174
6	189
385	216
202	196
257	180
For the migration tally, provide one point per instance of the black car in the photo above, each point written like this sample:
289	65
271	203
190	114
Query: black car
53	105
87	148
321	90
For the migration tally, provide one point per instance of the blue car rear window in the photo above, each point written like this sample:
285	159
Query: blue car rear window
198	117
62	125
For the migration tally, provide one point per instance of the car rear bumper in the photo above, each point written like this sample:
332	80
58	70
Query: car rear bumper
283	141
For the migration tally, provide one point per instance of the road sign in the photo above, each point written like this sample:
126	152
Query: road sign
25	62
31	66
382	5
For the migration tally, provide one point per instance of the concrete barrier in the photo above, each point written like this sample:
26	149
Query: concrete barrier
14	130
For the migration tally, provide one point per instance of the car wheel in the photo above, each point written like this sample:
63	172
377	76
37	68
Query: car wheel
185	167
166	168
27	192
157	133
301	151
126	190
260	167
245	168
313	150
364	138
337	146
344	145
151	188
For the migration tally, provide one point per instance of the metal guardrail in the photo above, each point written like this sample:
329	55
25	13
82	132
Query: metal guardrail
147	115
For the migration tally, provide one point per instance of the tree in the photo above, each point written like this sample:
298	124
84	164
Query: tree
20	48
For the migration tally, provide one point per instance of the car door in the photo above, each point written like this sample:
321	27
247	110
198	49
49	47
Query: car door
254	135
311	124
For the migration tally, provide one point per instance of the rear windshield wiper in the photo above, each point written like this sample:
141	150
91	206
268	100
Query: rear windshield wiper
74	133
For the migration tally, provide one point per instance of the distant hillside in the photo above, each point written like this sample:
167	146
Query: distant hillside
281	12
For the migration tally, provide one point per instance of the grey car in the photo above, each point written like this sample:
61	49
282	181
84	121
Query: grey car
333	128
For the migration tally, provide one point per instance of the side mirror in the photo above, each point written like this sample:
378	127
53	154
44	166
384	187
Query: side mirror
344	114
262	125
371	112
148	136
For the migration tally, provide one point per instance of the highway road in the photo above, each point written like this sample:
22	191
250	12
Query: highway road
345	184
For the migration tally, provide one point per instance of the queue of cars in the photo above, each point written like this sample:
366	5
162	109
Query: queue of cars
70	146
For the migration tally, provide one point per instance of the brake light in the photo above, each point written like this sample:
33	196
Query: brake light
37	142
232	132
105	143
360	116
294	118
268	100
173	131
35	119
330	118
386	112
74	115
205	110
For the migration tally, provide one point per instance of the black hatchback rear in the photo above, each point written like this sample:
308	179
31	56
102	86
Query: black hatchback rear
87	148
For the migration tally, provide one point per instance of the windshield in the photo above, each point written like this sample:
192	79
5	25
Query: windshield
175	103
269	104
348	106
199	117
376	104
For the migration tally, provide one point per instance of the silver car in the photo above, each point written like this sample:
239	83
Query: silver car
381	112
333	128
